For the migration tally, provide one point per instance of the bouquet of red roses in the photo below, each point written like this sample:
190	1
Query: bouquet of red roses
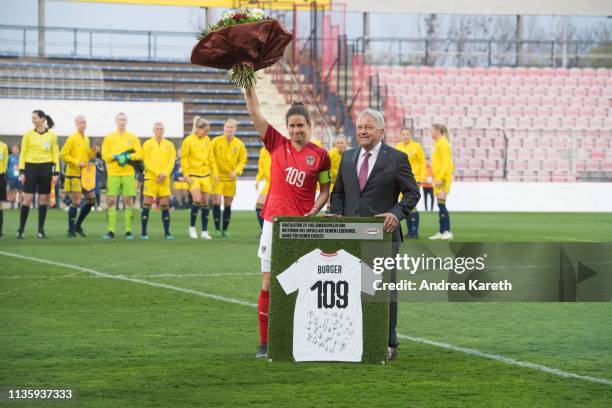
243	41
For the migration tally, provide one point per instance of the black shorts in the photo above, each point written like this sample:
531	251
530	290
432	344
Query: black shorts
38	178
2	188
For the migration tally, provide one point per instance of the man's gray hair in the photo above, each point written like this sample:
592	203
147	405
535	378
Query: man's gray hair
376	115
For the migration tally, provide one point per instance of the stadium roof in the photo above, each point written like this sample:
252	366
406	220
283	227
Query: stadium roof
274	4
495	7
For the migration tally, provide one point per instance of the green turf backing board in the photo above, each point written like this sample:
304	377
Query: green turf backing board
375	309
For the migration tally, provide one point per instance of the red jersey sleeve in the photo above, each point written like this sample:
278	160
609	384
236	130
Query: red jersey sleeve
325	162
272	139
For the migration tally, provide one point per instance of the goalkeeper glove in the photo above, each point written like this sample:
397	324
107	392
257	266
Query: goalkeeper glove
123	159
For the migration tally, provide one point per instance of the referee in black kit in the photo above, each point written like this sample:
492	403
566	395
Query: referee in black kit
38	167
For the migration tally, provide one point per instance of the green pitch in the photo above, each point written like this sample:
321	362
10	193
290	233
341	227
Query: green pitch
156	323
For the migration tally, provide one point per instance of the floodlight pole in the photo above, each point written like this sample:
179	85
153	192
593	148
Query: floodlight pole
366	33
519	40
41	28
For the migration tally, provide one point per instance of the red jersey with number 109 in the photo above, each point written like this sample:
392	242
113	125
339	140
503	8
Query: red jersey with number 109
294	176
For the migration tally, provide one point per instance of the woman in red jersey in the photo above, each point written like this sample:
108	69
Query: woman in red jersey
297	167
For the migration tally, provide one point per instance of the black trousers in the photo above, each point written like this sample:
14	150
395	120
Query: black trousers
393	300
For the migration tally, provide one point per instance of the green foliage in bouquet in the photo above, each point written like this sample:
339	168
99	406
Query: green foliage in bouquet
243	76
234	17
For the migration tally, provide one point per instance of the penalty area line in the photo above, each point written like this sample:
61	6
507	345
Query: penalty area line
465	350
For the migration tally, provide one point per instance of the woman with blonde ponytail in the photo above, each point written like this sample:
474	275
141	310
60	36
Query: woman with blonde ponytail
442	168
199	165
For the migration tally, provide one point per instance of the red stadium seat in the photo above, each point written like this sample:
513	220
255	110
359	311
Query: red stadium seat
520	71
488	81
452	71
479	71
411	70
588	72
463	81
530	81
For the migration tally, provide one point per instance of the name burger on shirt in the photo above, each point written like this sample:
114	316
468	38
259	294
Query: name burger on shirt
322	269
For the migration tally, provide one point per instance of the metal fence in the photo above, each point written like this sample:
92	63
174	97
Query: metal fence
484	52
90	43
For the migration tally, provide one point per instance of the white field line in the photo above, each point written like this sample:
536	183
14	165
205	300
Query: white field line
128	279
507	360
465	350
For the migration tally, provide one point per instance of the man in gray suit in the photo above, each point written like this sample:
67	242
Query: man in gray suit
369	182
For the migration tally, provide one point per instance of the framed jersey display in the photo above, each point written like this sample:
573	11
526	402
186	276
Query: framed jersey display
323	302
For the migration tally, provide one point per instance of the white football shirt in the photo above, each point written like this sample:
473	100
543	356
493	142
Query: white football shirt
327	321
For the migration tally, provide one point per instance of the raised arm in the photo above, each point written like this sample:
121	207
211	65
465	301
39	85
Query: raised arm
260	122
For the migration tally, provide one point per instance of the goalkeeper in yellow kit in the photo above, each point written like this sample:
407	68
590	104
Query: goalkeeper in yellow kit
121	151
158	155
416	157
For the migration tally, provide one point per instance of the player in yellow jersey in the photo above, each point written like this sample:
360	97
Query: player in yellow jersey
335	155
263	174
199	167
38	169
316	142
4	155
77	153
231	156
442	168
416	157
158	154
121	150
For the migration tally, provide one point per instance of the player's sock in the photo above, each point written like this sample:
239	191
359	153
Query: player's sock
194	214
409	226
442	215
205	212
227	214
165	213
414	216
23	216
128	216
111	218
447	219
1	219
144	218
85	211
217	216
262	311
42	216
258	209
72	214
